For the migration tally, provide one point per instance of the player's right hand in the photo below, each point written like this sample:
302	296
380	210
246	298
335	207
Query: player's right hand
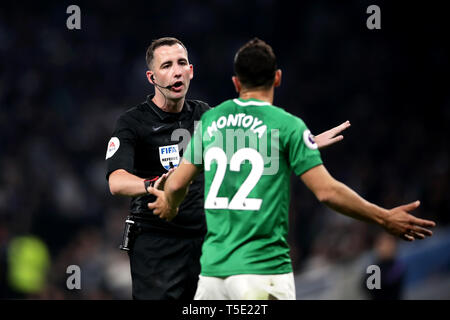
159	184
404	225
161	206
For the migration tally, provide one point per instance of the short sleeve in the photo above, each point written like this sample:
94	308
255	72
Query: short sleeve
194	149
302	150
120	148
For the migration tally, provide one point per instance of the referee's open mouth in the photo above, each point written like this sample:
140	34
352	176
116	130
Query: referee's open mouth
177	86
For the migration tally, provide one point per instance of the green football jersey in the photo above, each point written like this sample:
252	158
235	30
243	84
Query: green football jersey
248	149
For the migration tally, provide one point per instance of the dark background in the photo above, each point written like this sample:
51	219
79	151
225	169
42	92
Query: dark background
62	90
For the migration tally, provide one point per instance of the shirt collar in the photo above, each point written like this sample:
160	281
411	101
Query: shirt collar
250	102
163	115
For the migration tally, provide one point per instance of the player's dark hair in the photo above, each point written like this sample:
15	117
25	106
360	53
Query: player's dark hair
166	41
255	64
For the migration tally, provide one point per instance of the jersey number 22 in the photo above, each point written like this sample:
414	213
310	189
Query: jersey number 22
240	200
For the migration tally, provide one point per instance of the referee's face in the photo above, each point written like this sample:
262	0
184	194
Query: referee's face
171	67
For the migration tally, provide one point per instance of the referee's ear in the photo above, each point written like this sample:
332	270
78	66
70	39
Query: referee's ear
191	71
149	74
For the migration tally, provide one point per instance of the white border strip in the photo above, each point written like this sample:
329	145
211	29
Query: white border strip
250	103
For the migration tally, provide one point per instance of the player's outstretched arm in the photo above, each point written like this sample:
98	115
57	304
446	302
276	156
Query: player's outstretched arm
341	198
329	137
175	189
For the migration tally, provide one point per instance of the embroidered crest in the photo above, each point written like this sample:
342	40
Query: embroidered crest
169	155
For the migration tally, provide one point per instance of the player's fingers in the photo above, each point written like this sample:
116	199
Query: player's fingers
417	235
423	231
410	206
155	191
152	206
172	216
167	174
336	139
156	211
340	127
164	215
331	141
407	237
423	223
160	182
344	126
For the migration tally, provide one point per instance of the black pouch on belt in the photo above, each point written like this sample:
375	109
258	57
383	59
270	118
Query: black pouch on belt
129	234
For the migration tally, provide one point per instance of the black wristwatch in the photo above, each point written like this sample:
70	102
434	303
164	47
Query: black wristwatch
149	183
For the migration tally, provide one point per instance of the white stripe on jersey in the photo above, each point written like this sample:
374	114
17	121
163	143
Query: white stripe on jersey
250	103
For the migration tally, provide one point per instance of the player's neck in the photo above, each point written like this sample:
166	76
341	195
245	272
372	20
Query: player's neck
168	105
259	94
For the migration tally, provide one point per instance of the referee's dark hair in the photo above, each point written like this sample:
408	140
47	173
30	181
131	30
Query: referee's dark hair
255	64
166	41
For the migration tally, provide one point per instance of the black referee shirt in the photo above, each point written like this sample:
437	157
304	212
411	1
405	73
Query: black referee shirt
144	142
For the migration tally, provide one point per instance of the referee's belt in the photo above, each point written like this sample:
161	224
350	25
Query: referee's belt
144	225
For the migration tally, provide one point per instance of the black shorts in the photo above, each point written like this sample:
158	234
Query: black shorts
165	267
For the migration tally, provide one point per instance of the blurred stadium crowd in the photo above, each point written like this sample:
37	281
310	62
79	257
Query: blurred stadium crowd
61	92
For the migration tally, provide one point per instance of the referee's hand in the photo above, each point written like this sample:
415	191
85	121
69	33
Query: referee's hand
161	207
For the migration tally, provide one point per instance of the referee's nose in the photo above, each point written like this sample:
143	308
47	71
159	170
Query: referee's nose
178	71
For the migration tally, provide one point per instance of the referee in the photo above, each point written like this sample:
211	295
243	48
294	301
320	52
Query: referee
164	256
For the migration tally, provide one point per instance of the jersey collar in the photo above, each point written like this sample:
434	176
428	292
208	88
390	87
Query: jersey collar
161	113
250	102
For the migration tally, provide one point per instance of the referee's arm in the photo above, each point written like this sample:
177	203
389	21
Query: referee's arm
123	183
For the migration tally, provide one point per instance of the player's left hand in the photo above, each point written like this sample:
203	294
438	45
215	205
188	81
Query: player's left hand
327	138
161	207
404	225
